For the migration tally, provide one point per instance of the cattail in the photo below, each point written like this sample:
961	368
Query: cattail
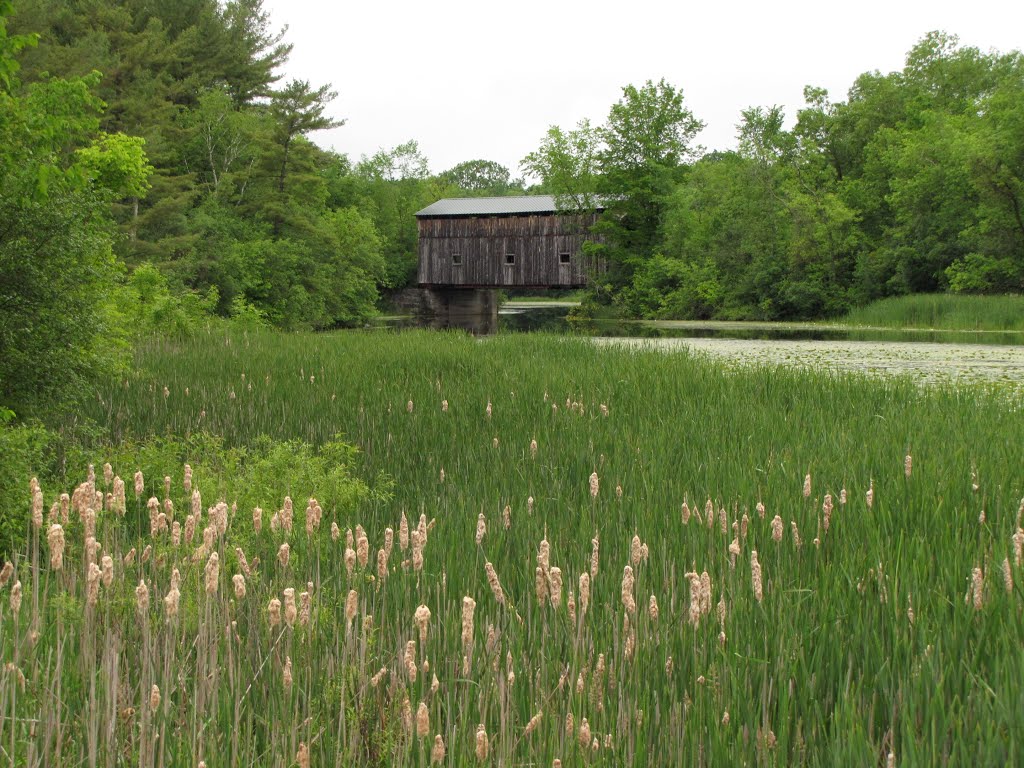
533	449
55	539
481	528
755	575
375	680
444	406
777	528
410	660
760	510
468	608
807	486
492	580
274	612
570	721
16	598
107	573
869	495
286	676
1007	576
595	547
212	573
1018	546
583	734
695	597
709	513
350	560
910	610
908	465
283	554
130	557
403	533
142	599
585	591
890	760
362	547
555	586
422	618
389	542
797	542
488	410
544	554
437	752
594	485
669	667
627	590
37	508
440	475
725	715
422	721
154	698
408	407
634	550
238	580
652	608
540	585
977	589
531	726
507	517
686	513
286	514
418	541
291	610
257	519
529	505
171	601
482	745
302	756
826	508
570	605
351	605
6	573
140	485
92	584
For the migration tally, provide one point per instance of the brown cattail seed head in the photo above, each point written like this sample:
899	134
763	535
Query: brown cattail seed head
468	608
351	605
594	485
286	676
422	721
302	756
16	598
481	527
422	618
583	734
238	580
274	612
482	745
777	527
492	580
55	538
154	698
437	751
212	573
755	575
142	599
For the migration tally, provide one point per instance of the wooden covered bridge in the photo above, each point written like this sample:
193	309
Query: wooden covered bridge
470	247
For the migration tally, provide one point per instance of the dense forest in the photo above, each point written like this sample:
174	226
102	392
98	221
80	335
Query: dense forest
158	172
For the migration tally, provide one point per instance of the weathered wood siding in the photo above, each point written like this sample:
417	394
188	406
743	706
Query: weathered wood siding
483	242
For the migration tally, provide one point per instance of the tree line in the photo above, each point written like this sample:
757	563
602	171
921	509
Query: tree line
914	183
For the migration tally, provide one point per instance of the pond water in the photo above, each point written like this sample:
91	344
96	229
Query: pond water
928	356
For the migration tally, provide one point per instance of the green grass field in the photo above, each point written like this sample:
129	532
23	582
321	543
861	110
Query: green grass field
868	643
943	311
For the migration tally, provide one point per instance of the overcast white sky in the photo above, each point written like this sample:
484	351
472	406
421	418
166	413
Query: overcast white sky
472	79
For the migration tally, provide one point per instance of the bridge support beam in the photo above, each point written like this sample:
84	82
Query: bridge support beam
472	309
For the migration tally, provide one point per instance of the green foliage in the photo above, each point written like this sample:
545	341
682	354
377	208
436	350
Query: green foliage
943	311
118	164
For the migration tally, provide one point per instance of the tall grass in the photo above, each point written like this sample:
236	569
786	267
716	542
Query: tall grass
943	311
828	668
